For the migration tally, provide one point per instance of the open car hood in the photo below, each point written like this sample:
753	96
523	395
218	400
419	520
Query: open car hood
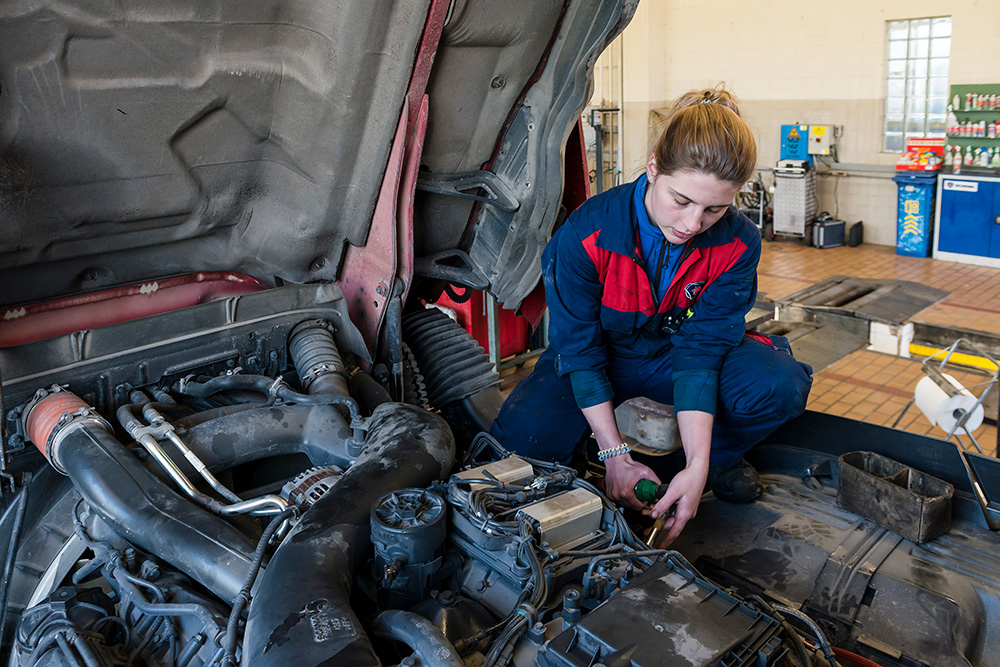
142	139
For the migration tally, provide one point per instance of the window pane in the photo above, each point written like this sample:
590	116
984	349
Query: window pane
916	90
916	69
897	50
897	68
916	87
939	67
941	27
899	29
920	29
941	47
918	48
938	86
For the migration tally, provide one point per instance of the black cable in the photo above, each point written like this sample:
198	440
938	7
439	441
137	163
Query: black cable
790	632
243	597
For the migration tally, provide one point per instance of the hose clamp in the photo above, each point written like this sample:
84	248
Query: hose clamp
51	415
276	386
529	612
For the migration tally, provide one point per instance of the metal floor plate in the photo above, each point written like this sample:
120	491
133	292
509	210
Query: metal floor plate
817	345
888	301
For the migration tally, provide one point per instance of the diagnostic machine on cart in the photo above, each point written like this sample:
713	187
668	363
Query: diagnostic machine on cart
795	179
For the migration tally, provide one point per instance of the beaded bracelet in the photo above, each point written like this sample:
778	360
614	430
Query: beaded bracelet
613	451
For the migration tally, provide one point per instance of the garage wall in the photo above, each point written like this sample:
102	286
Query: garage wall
810	62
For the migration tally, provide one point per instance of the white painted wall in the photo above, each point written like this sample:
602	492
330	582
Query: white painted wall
810	62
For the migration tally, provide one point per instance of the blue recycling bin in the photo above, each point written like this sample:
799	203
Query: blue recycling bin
914	235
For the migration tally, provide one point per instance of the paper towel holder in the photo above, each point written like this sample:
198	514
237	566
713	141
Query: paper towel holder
935	371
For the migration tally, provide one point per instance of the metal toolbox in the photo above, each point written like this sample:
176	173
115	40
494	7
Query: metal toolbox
904	500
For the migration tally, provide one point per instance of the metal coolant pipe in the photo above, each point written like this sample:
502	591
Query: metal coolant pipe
131	499
301	612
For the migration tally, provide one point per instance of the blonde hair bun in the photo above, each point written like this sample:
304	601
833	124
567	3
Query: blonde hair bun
705	133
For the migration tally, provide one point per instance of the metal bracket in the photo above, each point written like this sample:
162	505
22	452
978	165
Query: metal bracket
464	185
434	266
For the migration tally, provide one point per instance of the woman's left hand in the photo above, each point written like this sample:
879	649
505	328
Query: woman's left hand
684	491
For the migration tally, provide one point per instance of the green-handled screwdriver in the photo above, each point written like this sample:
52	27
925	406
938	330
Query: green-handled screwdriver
648	491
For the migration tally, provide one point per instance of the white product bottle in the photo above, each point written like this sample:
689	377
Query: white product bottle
970	158
984	157
949	156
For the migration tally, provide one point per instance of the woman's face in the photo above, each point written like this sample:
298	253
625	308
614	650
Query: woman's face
685	203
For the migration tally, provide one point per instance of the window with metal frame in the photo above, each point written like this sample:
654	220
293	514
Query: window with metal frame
916	97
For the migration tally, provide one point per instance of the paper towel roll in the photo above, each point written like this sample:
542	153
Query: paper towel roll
944	410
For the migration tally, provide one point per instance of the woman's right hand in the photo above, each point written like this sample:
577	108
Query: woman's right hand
621	476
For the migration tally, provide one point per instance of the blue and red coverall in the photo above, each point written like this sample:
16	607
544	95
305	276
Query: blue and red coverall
691	352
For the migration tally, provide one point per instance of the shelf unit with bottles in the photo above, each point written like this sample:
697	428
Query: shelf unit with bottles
963	113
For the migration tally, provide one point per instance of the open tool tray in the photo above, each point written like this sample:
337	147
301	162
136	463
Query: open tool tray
909	502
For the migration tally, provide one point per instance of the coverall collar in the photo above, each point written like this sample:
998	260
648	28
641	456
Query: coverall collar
623	238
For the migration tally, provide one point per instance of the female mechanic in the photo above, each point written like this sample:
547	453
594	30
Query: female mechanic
670	238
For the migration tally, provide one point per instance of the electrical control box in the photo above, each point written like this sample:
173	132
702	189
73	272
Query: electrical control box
821	139
566	516
794	141
509	471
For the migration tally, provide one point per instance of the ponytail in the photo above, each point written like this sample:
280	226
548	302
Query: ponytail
706	133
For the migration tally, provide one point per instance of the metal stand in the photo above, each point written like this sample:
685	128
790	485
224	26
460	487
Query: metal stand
936	373
596	120
493	337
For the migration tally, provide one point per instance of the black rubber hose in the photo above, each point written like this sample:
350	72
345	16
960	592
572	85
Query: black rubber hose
317	359
301	612
146	512
368	391
423	637
267	386
318	431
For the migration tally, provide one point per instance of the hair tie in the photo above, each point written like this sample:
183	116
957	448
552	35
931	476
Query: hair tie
707	101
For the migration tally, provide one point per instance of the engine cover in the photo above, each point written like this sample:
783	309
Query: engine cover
667	618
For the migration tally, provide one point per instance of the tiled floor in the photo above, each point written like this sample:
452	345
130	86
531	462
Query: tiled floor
973	303
874	387
865	385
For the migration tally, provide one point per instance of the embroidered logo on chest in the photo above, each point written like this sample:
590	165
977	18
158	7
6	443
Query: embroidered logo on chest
691	290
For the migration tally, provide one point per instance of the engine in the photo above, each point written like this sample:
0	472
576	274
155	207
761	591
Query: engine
244	493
